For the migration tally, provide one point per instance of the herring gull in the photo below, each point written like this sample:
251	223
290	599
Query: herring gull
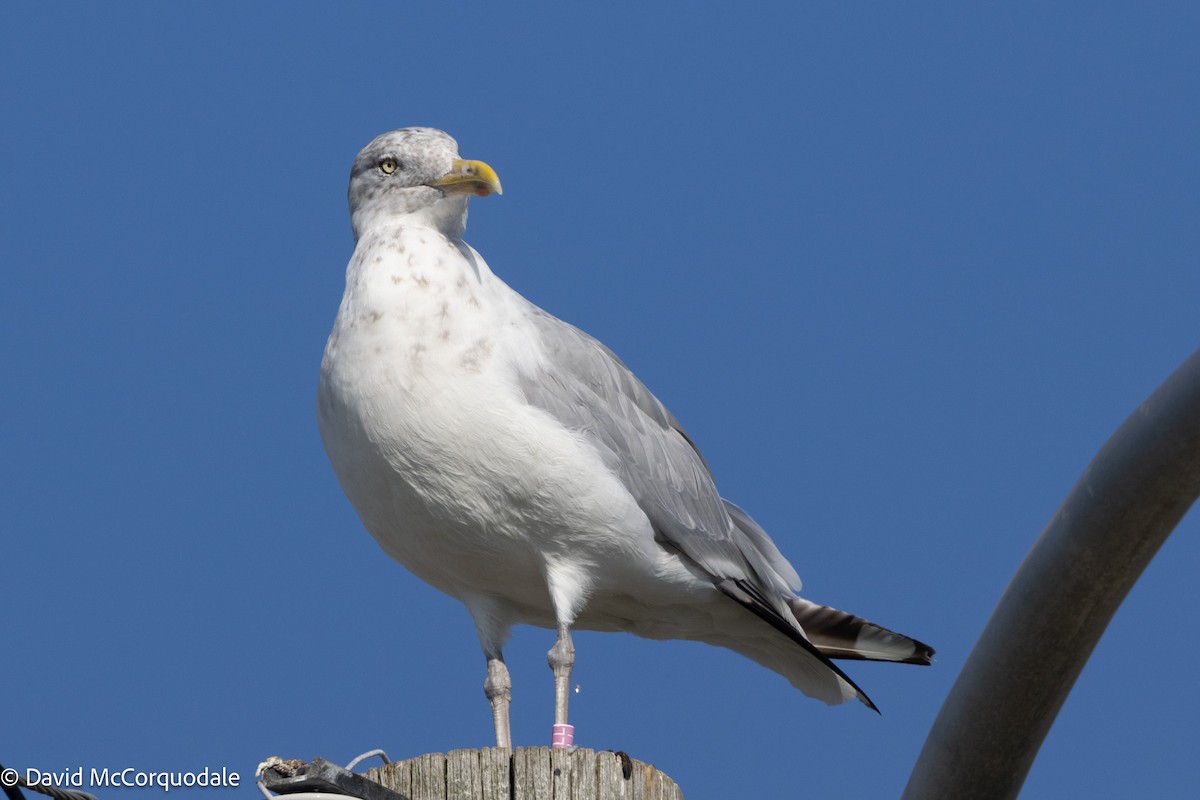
515	463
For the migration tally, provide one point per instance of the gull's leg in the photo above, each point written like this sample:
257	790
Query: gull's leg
497	687
492	623
562	659
569	584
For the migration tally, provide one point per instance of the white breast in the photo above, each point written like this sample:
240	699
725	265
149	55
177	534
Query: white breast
457	477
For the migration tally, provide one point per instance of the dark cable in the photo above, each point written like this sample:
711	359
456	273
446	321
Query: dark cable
11	792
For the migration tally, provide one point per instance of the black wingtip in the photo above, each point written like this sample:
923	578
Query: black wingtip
923	656
746	596
839	634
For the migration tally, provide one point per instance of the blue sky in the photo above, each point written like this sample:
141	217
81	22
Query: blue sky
900	271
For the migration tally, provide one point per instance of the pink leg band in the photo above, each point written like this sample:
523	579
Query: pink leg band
563	736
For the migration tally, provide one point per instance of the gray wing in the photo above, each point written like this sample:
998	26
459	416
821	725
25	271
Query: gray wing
587	388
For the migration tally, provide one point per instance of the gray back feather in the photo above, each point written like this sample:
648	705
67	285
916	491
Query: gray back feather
589	390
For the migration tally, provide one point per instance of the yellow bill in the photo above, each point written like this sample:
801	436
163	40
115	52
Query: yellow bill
469	177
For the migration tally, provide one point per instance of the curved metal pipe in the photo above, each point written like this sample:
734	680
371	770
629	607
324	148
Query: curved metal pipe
1062	597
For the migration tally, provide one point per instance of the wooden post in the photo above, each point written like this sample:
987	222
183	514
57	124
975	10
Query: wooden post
525	773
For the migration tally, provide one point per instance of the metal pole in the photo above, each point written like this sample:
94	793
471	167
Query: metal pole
1062	597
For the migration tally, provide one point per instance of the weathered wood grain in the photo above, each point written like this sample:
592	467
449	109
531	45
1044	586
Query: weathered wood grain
526	773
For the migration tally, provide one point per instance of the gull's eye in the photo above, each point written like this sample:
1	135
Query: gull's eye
389	165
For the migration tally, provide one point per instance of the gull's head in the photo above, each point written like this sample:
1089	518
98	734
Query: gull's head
416	173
